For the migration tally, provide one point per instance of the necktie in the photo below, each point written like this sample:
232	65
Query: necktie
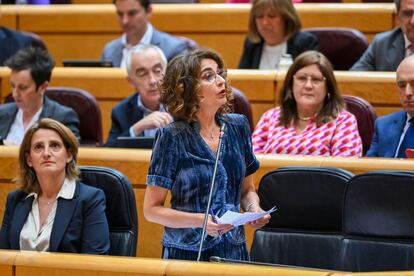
408	141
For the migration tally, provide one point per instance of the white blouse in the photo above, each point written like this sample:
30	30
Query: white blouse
36	237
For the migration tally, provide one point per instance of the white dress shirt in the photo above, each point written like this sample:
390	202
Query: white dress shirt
271	56
36	237
145	40
406	126
17	130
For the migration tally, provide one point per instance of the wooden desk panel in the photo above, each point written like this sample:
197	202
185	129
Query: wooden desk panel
7	259
212	269
80	31
40	264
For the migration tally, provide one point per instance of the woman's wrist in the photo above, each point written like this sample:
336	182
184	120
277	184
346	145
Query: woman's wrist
250	206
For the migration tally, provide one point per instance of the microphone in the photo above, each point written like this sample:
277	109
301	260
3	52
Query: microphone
210	195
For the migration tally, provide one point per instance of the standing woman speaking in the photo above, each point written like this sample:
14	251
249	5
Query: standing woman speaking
196	93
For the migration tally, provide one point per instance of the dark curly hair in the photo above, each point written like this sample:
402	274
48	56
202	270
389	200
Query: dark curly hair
181	82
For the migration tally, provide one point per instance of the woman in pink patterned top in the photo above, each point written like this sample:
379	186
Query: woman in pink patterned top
311	118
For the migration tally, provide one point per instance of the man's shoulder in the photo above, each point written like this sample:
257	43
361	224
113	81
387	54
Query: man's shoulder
6	33
389	35
399	115
125	102
7	107
113	44
166	37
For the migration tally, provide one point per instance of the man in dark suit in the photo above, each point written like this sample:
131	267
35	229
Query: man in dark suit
389	48
141	114
394	133
29	78
133	17
10	42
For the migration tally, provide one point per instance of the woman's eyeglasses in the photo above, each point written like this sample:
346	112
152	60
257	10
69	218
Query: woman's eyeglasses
303	79
211	76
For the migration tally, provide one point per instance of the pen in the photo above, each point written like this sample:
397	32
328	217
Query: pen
214	218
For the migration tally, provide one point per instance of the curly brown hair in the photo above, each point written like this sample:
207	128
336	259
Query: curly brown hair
180	85
27	175
333	103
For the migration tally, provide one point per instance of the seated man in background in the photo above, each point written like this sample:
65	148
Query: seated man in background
133	16
10	42
389	48
141	114
394	133
29	78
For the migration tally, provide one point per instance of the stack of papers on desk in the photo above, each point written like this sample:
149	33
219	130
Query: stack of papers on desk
237	219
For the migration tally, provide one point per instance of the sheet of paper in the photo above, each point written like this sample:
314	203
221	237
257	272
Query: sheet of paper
237	219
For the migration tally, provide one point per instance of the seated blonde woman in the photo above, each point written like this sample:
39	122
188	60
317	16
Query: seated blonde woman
311	118
53	211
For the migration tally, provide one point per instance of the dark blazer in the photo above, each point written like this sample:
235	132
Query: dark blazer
296	44
384	54
170	45
123	116
10	42
80	224
388	130
51	109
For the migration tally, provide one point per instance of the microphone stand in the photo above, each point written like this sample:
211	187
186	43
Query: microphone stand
210	195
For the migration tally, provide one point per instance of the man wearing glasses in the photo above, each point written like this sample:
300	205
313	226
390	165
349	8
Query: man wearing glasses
394	133
389	48
141	114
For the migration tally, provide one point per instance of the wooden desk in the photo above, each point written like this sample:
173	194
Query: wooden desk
34	263
81	31
6	262
134	164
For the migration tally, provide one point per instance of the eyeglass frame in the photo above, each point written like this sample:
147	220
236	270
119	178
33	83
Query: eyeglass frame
313	79
222	73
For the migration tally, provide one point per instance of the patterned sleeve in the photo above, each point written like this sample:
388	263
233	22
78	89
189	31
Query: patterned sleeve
346	140
261	132
164	159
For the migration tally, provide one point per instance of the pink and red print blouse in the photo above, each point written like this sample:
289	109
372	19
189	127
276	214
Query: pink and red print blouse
339	137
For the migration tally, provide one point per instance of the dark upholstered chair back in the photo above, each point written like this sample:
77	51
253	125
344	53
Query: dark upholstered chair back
305	231
241	105
378	221
85	105
342	46
36	40
308	198
380	204
365	115
121	210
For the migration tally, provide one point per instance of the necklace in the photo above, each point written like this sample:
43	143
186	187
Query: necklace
210	133
305	119
50	202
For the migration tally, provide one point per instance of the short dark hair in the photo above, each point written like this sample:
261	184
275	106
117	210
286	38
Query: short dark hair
181	82
36	60
144	3
333	103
